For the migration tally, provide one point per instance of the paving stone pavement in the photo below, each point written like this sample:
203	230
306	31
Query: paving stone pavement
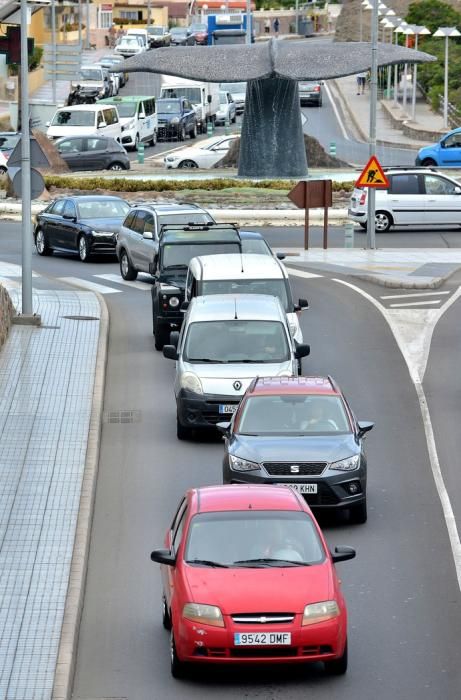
46	389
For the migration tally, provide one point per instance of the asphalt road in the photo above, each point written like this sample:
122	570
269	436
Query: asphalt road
403	598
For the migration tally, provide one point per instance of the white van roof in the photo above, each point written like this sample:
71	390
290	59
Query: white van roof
83	108
228	307
235	266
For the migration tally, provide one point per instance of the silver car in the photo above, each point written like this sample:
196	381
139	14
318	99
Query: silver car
226	341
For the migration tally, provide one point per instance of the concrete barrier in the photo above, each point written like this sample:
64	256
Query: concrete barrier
6	315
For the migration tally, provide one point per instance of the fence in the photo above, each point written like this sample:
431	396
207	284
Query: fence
454	114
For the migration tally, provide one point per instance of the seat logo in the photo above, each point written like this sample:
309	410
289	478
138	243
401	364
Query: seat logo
237	385
294	469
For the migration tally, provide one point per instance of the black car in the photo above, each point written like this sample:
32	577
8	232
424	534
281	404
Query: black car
92	153
200	33
176	119
299	432
181	36
177	246
158	36
82	225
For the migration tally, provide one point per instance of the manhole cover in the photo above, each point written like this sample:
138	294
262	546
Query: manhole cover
122	417
82	318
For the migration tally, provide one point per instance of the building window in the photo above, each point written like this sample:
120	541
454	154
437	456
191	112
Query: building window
130	14
104	19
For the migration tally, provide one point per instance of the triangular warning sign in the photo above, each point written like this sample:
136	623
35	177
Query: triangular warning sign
372	175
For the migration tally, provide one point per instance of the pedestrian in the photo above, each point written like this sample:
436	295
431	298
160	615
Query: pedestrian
112	35
276	26
361	80
267	26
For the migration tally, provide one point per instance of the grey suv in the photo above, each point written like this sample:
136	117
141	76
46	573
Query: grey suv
137	240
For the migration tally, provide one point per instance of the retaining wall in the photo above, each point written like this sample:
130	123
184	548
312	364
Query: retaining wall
6	314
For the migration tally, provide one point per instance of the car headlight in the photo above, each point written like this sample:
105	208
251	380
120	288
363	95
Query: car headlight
173	302
320	612
171	159
191	382
204	614
346	465
242	465
175	120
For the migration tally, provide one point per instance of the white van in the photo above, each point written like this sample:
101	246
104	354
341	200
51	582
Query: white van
138	117
143	33
80	120
204	97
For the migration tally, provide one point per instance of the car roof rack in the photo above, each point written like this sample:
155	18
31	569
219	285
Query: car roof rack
209	226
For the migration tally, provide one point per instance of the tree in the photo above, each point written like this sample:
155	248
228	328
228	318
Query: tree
433	14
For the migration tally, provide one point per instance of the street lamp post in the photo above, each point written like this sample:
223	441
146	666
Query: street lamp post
53	50
371	207
446	32
418	30
297	17
408	31
398	30
26	207
248	14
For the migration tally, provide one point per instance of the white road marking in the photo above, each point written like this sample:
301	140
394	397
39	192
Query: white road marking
417	378
412	294
335	110
12	270
301	273
416	303
144	286
90	285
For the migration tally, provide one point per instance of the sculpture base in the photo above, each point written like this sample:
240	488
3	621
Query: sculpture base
272	139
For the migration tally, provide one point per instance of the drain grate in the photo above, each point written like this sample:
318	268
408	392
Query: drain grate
82	318
122	417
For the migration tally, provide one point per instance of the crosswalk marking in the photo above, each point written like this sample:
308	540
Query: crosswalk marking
415	303
415	294
90	285
301	273
144	286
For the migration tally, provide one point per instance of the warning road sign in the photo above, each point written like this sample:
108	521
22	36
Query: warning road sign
372	175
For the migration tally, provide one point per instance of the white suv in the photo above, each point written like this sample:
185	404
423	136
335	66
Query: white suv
416	196
226	341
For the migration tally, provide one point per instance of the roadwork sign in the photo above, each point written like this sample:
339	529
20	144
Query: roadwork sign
372	175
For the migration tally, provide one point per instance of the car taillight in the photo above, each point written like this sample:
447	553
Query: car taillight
317	88
363	197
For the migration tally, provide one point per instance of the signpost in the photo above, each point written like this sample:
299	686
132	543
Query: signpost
311	194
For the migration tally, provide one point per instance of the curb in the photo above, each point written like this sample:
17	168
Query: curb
402	283
65	665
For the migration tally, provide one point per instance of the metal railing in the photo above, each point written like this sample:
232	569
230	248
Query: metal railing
454	114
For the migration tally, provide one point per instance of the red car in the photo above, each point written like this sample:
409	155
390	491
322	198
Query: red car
248	578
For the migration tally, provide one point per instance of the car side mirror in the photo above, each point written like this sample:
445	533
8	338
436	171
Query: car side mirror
280	256
185	306
457	190
364	427
343	554
170	352
302	305
148	235
48	123
163	556
302	350
224	428
102	125
174	338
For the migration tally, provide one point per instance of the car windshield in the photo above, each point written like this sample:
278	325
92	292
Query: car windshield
255	245
126	109
198	28
103	209
156	31
255	539
237	88
178	31
223	98
236	341
293	414
90	74
130	40
274	288
169	106
70	117
190	93
195	218
180	255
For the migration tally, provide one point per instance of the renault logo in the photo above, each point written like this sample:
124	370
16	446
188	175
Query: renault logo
294	469
237	385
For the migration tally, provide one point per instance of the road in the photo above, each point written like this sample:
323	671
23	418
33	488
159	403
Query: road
403	597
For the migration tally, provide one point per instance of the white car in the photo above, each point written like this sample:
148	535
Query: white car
416	196
129	46
227	112
204	156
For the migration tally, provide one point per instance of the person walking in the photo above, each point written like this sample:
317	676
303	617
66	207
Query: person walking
361	81
276	26
267	26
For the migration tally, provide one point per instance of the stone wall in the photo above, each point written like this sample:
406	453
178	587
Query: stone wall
6	314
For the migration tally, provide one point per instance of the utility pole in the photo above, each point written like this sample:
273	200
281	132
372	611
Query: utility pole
148	13
87	35
53	50
26	213
371	238
248	15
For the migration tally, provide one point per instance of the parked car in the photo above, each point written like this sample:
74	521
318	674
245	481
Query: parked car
226	341
227	112
8	142
180	36
238	92
415	197
176	119
446	153
299	432
112	78
92	79
205	155
176	247
138	118
310	92
83	225
111	61
141	34
158	36
92	153
85	120
200	33
137	240
247	577
129	46
254	243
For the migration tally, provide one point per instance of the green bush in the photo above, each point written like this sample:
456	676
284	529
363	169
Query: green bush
34	61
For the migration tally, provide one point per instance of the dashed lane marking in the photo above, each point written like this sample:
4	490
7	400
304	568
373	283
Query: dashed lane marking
143	286
412	294
87	284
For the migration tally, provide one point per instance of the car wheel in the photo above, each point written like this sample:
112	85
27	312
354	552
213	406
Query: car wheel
428	162
162	335
358	513
188	164
166	620
234	119
83	252
363	225
193	133
127	270
338	667
116	166
182	133
41	244
153	141
300	367
178	667
383	221
204	128
3	170
182	432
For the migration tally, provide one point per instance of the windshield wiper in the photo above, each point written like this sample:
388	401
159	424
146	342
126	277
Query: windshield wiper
207	562
206	359
267	561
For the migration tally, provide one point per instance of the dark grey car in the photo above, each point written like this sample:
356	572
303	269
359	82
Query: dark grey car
92	153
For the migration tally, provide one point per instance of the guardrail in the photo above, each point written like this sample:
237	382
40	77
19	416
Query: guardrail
454	114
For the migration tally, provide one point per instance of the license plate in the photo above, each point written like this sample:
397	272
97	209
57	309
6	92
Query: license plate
303	488
262	639
228	408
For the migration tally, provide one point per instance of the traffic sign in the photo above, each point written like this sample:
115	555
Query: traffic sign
38	158
37	183
372	175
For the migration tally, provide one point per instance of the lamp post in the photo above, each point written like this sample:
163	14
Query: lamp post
297	17
408	31
365	5
53	50
388	24
87	34
447	32
371	207
26	205
248	14
418	30
398	30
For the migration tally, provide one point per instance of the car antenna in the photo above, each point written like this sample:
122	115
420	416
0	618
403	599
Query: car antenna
241	261
235	307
